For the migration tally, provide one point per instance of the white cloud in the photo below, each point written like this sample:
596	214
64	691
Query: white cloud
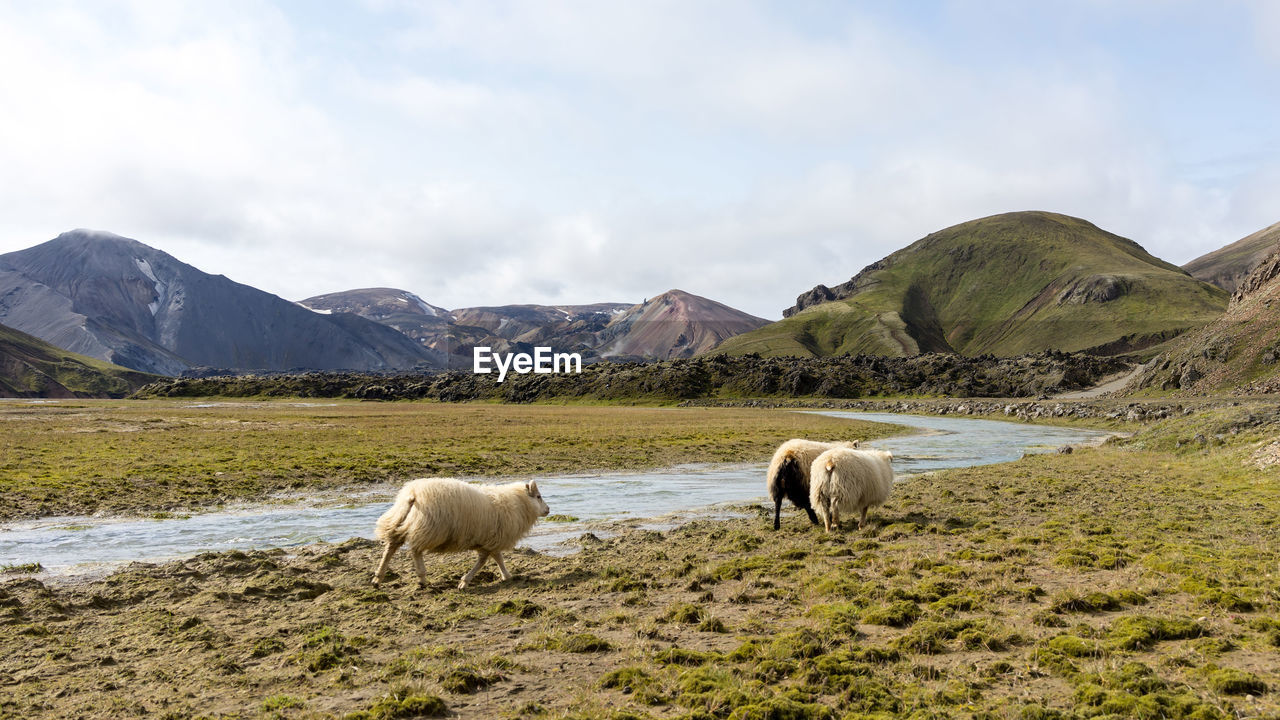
498	152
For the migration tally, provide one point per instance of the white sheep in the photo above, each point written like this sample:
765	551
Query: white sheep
788	475
849	481
441	515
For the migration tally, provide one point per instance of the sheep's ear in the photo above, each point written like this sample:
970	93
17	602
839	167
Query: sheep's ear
855	443
531	487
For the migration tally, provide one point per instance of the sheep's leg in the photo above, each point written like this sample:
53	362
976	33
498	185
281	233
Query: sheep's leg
862	520
497	557
421	567
474	569
777	514
387	552
813	517
835	520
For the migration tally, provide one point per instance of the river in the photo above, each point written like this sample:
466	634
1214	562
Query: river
87	546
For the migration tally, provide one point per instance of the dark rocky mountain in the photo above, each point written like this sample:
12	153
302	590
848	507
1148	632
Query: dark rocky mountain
1227	266
118	300
1006	285
31	367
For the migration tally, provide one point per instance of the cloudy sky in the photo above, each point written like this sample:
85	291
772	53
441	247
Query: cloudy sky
570	152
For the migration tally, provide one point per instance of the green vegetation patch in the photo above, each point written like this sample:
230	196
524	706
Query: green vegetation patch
403	704
1229	681
898	614
519	607
1139	632
580	643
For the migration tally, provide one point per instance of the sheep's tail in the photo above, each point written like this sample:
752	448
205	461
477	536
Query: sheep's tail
791	472
388	527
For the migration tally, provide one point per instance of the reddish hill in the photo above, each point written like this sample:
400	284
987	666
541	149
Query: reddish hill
675	324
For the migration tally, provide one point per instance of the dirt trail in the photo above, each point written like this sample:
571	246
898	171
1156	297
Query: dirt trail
1109	384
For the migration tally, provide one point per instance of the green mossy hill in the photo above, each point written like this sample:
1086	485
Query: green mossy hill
1239	352
1008	284
31	367
718	376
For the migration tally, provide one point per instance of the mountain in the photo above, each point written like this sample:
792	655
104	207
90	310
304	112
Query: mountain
1237	352
529	323
520	328
1005	285
381	304
453	333
116	299
1227	266
675	324
31	367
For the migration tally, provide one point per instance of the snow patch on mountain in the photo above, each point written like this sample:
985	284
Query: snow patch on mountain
145	267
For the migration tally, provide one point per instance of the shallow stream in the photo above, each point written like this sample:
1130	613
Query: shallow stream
80	546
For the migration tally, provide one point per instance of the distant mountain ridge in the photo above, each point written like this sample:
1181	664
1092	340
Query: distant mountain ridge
1227	266
453	333
1006	285
674	324
118	300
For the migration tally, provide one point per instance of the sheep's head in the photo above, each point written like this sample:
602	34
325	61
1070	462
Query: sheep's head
851	444
532	489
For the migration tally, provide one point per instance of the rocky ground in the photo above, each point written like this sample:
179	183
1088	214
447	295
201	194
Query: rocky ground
1236	353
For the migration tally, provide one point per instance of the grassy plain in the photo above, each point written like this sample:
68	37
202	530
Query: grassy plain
81	457
1139	579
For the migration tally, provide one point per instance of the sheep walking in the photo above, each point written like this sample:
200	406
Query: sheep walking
789	474
441	515
849	481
